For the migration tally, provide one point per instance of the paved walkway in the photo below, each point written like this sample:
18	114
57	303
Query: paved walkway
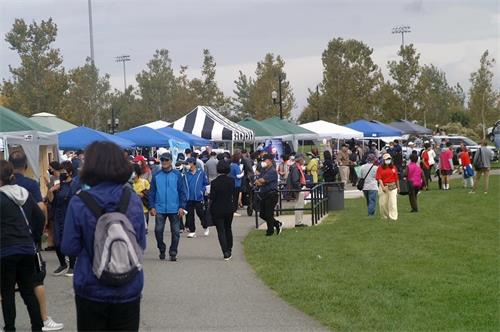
200	292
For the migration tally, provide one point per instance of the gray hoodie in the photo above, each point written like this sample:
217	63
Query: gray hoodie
16	193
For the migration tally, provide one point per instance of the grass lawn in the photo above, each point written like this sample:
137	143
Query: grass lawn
495	164
436	270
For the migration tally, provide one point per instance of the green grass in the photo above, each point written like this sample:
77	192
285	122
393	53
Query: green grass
495	164
436	270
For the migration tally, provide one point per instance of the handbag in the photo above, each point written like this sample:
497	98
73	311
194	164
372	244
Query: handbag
40	266
478	165
361	182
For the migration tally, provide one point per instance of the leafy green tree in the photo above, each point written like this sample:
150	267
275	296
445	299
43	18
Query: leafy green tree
241	102
157	87
483	98
87	98
312	111
259	103
205	90
184	100
128	110
39	83
405	74
387	104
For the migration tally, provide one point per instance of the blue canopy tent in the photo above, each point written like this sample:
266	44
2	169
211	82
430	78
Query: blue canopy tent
148	137
193	140
81	137
374	129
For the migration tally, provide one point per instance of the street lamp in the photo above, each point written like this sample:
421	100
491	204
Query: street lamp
275	95
123	58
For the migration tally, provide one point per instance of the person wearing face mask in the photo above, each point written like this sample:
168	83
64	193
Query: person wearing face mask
296	181
388	179
195	182
60	195
268	194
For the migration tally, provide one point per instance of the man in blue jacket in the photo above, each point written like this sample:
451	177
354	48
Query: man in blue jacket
196	183
167	198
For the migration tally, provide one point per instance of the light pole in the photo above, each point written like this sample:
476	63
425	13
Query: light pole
275	95
402	30
123	58
317	101
91	33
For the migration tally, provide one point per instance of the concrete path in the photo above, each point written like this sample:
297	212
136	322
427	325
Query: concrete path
199	292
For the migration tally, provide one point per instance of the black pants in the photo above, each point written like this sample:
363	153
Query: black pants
102	316
427	176
236	198
224	231
191	207
412	194
62	259
267	205
19	269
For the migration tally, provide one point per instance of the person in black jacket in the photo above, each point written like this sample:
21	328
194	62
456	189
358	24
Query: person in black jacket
221	199
21	222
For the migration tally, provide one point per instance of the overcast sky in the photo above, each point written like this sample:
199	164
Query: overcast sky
449	34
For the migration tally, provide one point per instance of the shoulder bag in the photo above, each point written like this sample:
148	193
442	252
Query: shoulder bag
361	182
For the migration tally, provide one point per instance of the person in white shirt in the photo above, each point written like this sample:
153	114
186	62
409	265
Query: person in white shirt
370	188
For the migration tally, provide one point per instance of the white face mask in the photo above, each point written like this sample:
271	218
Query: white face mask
263	164
387	161
187	167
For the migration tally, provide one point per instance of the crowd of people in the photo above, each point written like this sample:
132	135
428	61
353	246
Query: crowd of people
106	194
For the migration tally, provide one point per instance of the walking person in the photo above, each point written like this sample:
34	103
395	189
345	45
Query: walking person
237	174
428	161
446	165
370	187
416	180
59	196
297	181
388	179
344	163
21	222
221	196
466	166
167	200
195	183
267	183
482	164
141	187
100	304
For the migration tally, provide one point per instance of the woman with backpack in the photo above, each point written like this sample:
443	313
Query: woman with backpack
416	180
107	295
330	170
21	222
59	196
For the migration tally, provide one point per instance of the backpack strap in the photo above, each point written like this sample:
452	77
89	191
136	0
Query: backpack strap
124	200
91	204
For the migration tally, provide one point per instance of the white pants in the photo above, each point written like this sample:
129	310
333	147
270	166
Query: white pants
388	202
299	204
344	174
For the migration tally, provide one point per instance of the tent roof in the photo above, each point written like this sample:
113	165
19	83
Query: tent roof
326	129
80	137
408	127
185	137
206	122
263	129
374	128
155	124
147	137
12	121
290	128
52	122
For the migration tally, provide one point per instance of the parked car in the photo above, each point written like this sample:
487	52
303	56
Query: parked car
470	144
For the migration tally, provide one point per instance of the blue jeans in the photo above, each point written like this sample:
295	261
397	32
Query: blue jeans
371	201
174	229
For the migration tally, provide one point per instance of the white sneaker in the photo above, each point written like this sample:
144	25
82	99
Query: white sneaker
236	214
191	235
50	325
207	231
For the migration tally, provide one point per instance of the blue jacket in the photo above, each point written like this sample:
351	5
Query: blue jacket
168	192
195	184
78	241
235	171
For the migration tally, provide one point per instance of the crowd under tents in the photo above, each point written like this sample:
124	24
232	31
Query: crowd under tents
410	128
80	137
328	130
52	122
207	123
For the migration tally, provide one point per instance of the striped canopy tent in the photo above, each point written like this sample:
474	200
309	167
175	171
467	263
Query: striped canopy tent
206	122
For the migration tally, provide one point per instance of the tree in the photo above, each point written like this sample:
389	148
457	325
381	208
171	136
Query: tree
205	89
259	103
312	111
405	74
87	98
157	87
483	98
241	102
40	82
129	110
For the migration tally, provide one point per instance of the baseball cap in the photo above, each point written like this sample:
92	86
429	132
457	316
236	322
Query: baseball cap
386	156
191	160
268	157
166	156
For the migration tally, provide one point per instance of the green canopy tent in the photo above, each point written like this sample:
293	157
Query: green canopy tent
51	121
264	130
296	131
18	130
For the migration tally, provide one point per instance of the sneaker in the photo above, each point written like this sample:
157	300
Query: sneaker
69	273
191	235
162	256
50	248
60	270
228	257
279	228
50	325
236	214
173	258
207	231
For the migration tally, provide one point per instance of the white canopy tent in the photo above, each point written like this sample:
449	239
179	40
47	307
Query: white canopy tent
330	130
155	124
